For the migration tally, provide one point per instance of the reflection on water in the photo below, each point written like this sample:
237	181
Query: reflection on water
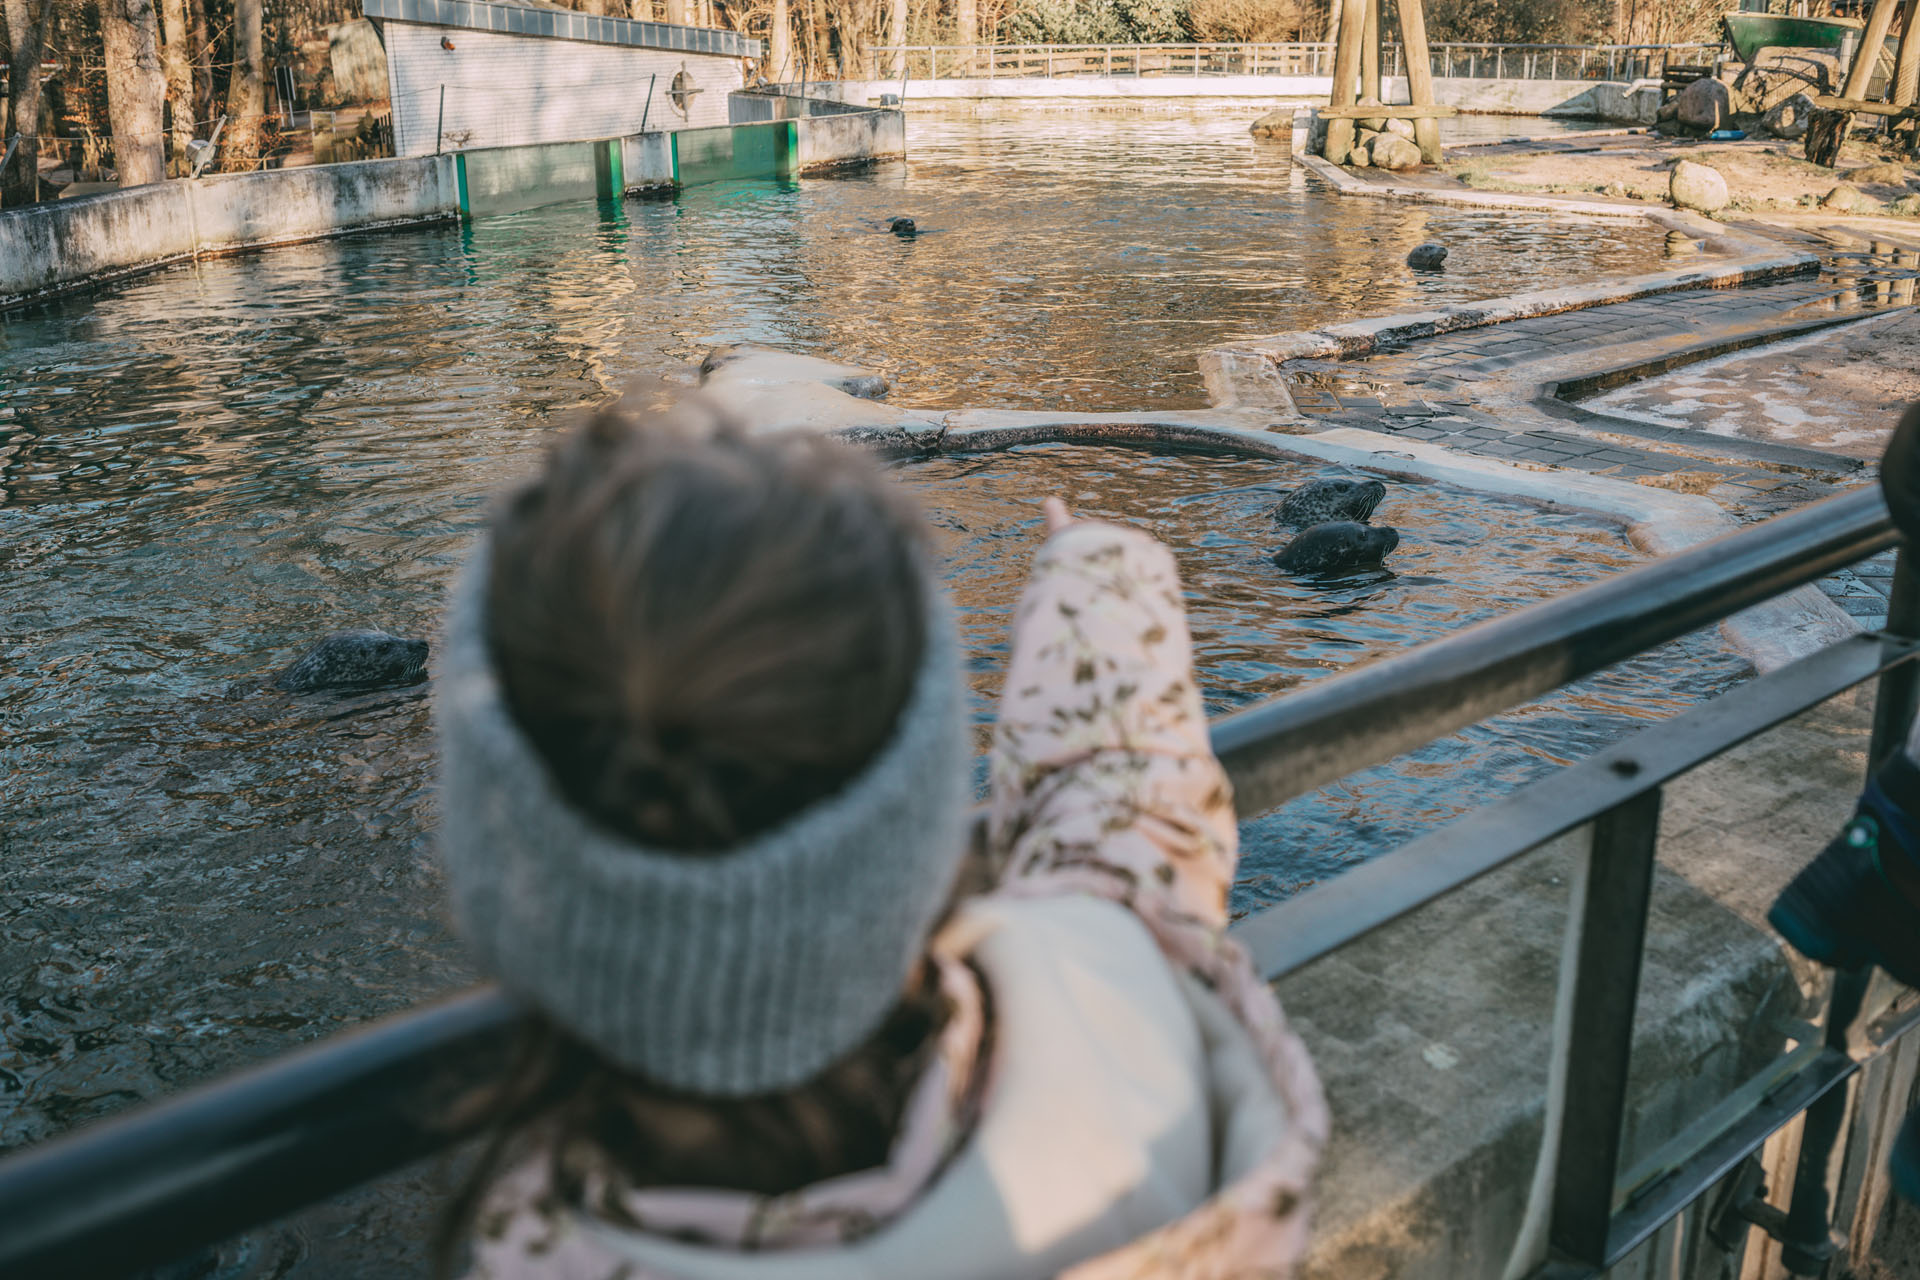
208	468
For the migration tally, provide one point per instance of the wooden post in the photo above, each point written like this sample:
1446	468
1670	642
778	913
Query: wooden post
1906	67
1413	37
1370	53
1868	55
1346	70
1826	131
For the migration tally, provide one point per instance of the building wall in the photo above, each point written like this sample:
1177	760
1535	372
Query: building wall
506	90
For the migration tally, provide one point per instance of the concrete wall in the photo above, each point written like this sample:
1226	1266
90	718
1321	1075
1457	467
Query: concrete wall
646	161
1630	102
840	141
511	90
51	247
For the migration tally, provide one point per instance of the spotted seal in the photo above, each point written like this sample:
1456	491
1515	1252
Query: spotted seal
1338	546
355	661
1329	499
905	228
1428	257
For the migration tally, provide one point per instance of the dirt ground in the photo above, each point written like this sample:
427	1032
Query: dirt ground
1841	390
1762	174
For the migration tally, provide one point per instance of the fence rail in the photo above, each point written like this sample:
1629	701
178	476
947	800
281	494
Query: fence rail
167	1178
1064	61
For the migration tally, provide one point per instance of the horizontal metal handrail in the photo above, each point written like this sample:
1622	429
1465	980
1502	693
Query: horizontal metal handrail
171	1176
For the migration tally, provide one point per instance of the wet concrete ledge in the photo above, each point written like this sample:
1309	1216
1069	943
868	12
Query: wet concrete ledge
66	246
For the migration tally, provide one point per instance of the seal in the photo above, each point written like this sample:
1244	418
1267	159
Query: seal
1328	499
1430	256
355	661
1339	546
903	227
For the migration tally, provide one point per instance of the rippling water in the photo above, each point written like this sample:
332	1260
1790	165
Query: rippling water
206	469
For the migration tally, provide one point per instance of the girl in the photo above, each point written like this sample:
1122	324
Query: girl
705	752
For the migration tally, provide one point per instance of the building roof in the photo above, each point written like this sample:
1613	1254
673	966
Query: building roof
550	21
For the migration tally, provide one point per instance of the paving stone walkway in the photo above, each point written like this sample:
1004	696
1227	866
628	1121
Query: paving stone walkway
1484	391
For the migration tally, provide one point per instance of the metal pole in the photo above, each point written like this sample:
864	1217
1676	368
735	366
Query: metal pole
440	123
646	109
1899	690
1806	1242
1593	1060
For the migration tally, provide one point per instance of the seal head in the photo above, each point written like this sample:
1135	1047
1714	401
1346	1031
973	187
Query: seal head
355	661
1339	546
903	227
1428	257
1329	499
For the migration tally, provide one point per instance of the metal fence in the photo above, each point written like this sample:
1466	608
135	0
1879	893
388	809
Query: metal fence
167	1178
1494	61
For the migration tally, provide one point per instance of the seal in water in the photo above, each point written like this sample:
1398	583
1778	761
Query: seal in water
1428	257
905	228
1329	499
1339	546
353	661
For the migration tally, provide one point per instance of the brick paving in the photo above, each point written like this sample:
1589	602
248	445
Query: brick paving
1473	390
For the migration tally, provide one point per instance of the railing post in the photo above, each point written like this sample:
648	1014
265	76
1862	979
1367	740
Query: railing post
1899	690
1806	1242
933	62
1610	912
1108	51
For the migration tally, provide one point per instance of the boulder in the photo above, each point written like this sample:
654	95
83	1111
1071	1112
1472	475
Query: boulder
1428	257
1906	206
1391	151
1847	198
1704	105
1787	118
1890	174
1274	124
1698	187
1667	112
1375	123
1360	157
1402	127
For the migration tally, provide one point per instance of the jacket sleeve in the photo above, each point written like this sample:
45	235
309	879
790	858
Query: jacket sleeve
1102	778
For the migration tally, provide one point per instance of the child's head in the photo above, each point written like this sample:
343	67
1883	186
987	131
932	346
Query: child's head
703	632
703	748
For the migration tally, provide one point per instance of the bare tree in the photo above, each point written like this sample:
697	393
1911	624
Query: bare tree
780	43
177	61
26	33
246	89
136	89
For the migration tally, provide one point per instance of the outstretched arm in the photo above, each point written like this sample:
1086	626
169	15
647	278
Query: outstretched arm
1102	776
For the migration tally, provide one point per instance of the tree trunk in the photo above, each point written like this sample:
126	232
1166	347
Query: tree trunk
780	44
677	12
1906	68
202	59
897	36
136	89
966	22
247	92
1826	131
26	32
176	59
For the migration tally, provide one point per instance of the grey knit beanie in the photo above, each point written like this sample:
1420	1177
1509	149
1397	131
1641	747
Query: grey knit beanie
724	974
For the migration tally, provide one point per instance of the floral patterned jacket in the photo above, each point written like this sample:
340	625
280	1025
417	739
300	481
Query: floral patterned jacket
1103	791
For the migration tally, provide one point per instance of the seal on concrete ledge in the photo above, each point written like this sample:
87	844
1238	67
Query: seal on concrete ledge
1339	546
1428	257
353	662
1329	499
903	227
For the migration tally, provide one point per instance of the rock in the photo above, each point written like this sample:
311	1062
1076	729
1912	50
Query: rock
1697	187
1906	206
1668	110
1274	124
1363	136
1889	173
1847	198
748	366
1391	151
1428	257
1704	105
1360	157
1375	123
1402	127
1787	118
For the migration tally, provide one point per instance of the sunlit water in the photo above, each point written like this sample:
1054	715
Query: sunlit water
208	468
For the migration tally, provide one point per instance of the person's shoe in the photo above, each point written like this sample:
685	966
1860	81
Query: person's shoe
1850	906
1904	1165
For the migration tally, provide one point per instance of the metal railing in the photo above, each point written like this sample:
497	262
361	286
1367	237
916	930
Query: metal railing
174	1176
1493	61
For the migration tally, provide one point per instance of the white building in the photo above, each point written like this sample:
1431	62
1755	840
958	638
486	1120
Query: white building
492	73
